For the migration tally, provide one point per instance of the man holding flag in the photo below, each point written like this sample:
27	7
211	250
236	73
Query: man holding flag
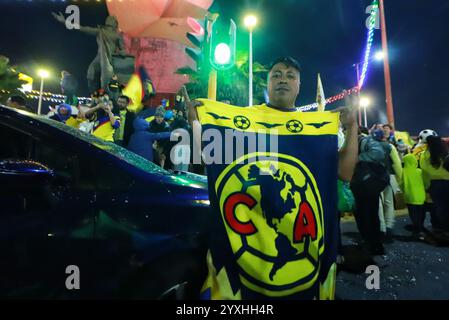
276	231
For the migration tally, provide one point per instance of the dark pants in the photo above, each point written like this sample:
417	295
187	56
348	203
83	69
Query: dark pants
368	181
439	191
367	215
430	208
417	215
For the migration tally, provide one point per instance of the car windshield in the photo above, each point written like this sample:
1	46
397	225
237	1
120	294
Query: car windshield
107	146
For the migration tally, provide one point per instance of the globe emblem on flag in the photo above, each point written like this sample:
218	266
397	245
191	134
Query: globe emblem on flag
242	122
294	126
273	216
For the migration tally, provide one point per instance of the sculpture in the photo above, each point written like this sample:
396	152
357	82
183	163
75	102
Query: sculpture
110	42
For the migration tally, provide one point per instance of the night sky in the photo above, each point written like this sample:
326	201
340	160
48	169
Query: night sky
326	36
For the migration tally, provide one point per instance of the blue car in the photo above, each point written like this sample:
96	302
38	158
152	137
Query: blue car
83	218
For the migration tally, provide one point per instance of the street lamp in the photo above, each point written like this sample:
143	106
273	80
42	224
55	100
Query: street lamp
43	74
250	23
379	55
364	103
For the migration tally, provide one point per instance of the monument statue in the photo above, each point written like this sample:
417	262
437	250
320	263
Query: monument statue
110	42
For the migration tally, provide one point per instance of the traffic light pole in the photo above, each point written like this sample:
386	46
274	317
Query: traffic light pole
212	85
250	94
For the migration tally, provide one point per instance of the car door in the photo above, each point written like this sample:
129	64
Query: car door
45	228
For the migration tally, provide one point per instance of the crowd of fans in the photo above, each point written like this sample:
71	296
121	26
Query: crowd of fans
146	133
390	175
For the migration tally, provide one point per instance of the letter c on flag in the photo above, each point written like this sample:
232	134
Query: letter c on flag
243	228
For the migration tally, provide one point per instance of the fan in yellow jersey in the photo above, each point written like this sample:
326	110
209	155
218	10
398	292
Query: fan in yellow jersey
276	225
105	121
63	113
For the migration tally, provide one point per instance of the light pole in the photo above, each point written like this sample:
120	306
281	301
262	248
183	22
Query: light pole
43	74
250	23
389	95
378	56
364	103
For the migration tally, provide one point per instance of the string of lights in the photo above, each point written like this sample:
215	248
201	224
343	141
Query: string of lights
369	42
330	100
48	96
58	101
366	62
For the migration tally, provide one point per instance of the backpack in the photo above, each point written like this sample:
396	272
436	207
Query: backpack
371	150
371	170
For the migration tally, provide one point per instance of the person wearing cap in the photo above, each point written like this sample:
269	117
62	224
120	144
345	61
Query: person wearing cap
114	88
158	125
105	122
64	114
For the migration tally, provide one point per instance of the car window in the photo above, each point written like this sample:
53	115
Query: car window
107	146
91	172
14	143
110	177
62	159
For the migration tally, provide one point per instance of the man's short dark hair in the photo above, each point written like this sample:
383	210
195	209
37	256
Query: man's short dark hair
288	61
128	100
387	126
19	100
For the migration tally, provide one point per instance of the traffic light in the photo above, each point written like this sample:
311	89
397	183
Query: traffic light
198	40
222	46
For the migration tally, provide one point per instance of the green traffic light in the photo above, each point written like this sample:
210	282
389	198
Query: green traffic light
222	46
222	53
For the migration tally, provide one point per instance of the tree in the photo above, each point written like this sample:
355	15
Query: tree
9	80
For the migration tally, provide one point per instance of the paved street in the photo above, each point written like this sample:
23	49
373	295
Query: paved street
409	270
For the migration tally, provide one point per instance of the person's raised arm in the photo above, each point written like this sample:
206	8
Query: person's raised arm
193	114
348	154
185	94
89	112
195	124
112	118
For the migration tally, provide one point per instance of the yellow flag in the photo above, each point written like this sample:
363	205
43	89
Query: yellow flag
139	86
133	90
320	98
